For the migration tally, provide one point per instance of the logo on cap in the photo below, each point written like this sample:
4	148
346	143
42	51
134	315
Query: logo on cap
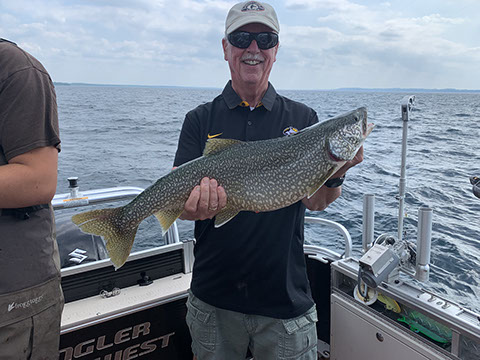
253	6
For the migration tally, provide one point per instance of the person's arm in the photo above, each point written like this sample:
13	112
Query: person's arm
325	195
29	179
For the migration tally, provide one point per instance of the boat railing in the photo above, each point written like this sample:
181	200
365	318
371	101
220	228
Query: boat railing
76	199
97	196
334	225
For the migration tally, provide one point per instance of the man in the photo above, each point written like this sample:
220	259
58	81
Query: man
249	287
31	300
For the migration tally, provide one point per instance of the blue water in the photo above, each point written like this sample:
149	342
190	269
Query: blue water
127	136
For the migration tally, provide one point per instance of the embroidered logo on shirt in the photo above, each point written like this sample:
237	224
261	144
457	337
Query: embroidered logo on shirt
213	136
290	131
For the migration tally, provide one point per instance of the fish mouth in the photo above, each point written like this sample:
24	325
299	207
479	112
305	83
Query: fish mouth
369	129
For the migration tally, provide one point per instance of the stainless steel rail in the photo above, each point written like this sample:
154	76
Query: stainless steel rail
339	227
107	195
97	196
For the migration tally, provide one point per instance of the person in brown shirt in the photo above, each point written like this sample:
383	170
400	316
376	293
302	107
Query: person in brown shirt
31	299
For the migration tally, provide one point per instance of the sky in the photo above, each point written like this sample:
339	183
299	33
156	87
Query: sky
324	44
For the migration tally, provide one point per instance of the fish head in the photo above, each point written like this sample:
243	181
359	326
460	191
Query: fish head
346	134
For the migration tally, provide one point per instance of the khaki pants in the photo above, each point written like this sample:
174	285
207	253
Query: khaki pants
226	335
34	338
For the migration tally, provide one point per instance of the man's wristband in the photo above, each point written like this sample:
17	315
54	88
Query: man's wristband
335	182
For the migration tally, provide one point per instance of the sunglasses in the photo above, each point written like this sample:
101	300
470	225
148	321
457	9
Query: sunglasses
243	39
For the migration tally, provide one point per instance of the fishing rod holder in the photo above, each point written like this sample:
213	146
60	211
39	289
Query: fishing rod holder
385	257
408	102
368	221
73	186
424	242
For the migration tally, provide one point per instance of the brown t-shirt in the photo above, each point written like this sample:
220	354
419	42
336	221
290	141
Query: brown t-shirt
28	120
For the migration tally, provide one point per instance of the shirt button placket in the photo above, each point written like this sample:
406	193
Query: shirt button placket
249	128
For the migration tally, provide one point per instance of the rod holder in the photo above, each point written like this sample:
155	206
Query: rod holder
73	186
424	242
368	221
408	102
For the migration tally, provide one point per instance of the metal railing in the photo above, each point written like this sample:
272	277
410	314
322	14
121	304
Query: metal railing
98	196
337	226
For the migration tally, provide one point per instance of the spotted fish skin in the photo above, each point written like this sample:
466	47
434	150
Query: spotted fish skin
257	176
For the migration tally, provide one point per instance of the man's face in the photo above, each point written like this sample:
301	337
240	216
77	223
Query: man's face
250	66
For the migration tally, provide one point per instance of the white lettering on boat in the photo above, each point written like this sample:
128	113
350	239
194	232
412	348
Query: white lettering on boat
121	336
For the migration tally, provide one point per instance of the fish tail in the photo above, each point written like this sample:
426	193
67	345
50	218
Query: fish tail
105	222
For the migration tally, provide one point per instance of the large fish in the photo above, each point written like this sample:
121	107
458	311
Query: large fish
257	176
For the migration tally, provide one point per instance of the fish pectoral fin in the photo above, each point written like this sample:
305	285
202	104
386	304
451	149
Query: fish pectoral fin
214	146
167	217
319	183
225	216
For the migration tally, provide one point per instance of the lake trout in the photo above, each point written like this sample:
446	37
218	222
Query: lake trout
257	176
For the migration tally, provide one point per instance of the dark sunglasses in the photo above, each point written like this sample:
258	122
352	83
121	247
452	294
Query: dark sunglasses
243	39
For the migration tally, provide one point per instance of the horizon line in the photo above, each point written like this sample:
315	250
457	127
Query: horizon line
381	89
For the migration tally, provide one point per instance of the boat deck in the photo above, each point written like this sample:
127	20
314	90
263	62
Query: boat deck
87	312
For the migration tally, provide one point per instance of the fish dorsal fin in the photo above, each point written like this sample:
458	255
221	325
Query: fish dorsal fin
215	146
225	216
319	183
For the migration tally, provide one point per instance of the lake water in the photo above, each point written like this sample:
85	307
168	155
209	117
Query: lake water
127	136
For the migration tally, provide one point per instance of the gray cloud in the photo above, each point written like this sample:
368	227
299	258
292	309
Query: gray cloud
326	44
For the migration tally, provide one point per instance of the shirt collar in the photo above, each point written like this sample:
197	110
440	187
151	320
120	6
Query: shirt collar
233	100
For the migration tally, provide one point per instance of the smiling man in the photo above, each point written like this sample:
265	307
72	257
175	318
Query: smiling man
249	287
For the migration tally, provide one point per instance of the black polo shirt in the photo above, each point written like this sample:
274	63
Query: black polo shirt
253	264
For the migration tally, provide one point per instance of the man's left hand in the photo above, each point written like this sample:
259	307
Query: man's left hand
349	164
325	195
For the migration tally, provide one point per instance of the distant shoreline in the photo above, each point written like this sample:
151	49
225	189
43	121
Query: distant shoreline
353	89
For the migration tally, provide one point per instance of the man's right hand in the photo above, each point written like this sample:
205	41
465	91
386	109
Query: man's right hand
205	201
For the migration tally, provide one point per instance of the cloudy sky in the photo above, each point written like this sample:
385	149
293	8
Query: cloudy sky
324	44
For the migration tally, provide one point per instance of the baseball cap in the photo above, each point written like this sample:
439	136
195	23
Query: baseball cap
251	12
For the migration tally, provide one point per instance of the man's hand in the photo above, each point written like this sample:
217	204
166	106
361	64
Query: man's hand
349	164
325	196
205	201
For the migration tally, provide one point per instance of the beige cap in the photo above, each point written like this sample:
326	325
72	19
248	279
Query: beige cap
251	12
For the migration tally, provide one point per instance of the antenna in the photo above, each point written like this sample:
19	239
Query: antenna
408	102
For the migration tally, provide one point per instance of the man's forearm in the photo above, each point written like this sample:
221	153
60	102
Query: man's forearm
30	179
322	198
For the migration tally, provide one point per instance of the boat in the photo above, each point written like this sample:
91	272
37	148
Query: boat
370	307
